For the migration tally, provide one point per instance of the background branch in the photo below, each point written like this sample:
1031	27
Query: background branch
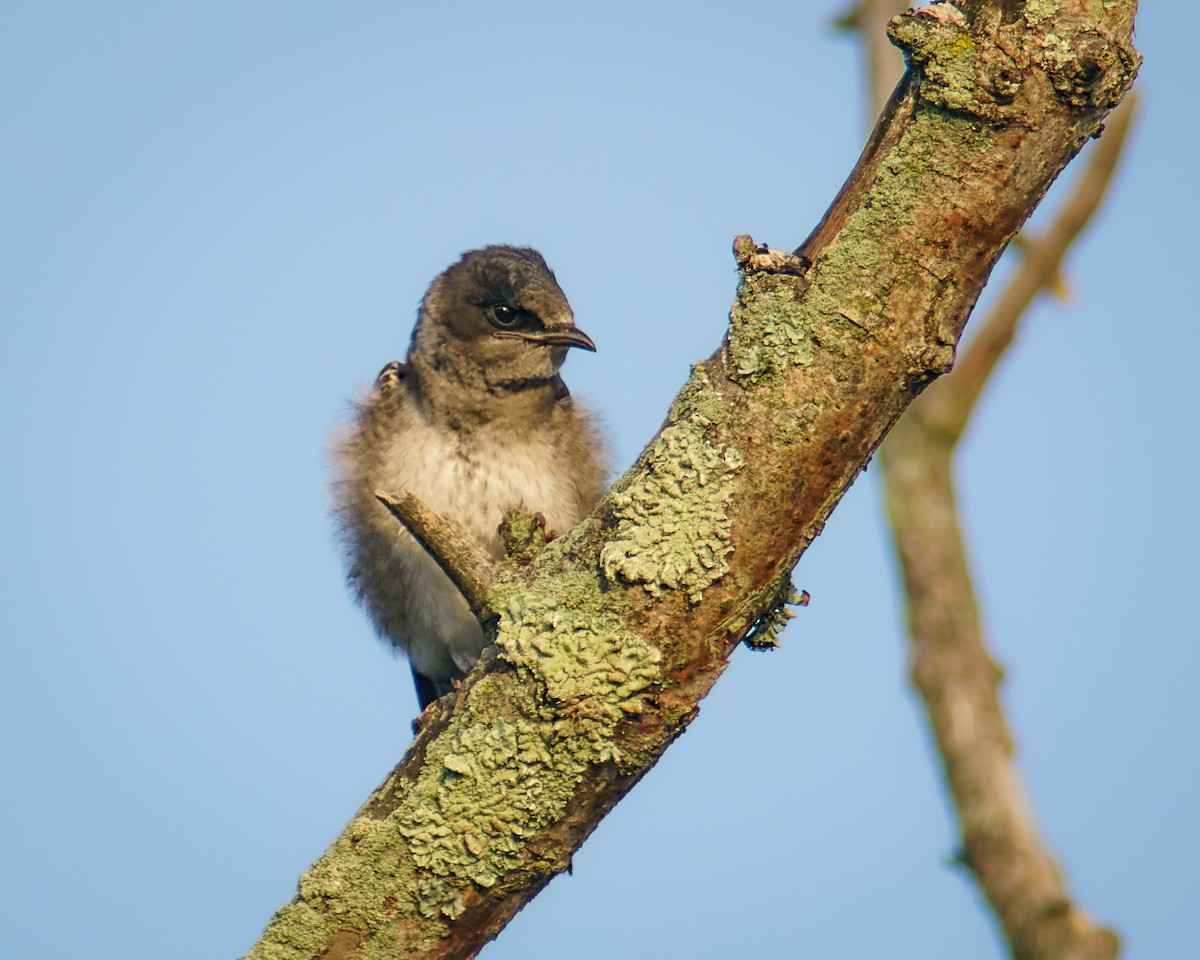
882	62
951	400
952	669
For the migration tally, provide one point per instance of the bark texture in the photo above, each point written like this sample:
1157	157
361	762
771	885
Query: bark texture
607	641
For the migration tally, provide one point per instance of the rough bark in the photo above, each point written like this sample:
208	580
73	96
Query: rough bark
607	641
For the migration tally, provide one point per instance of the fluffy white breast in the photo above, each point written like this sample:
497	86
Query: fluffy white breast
455	477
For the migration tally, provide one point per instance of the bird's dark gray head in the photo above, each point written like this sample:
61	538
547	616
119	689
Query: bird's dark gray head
496	320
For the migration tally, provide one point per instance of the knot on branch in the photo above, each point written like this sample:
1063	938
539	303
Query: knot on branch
764	632
1087	68
975	65
524	536
754	257
964	68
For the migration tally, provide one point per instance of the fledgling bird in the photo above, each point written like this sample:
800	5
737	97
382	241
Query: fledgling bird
477	422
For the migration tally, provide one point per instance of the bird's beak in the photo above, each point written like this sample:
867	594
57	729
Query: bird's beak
568	336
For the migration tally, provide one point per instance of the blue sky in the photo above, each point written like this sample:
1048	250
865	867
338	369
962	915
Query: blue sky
218	221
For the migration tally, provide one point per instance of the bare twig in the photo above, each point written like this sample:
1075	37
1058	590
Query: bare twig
462	559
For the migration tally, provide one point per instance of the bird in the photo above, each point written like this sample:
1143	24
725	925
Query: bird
476	422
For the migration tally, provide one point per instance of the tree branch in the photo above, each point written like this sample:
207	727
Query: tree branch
957	680
952	669
467	564
607	641
884	65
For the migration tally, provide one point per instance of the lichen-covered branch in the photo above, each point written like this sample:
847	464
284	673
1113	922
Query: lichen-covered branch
609	638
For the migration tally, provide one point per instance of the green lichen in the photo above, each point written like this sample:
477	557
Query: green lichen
930	147
496	776
490	782
487	783
458	836
1057	55
524	535
342	891
951	59
1040	11
483	785
767	329
591	668
698	398
778	321
672	526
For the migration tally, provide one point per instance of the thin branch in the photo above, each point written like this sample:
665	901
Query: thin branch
460	557
952	669
957	679
883	62
950	401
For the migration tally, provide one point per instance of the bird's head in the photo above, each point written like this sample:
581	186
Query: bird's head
498	320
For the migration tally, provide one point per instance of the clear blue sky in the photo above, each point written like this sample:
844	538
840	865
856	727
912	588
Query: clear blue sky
218	219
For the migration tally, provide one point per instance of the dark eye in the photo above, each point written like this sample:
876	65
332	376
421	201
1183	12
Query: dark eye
503	315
